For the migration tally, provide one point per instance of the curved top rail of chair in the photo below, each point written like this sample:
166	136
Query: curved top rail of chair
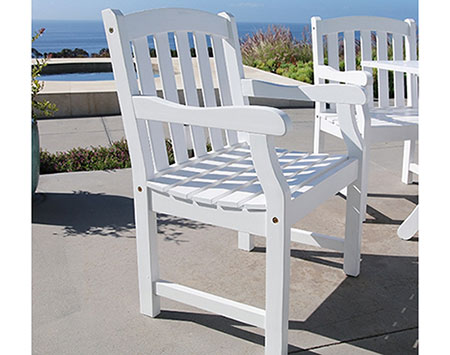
144	23
370	23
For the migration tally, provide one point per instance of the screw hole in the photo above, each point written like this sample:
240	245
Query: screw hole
139	189
111	30
275	220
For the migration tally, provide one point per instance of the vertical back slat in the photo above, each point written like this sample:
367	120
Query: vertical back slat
383	83
349	50
235	69
146	81
333	57
399	88
209	96
411	54
224	84
317	47
190	89
366	54
170	93
333	50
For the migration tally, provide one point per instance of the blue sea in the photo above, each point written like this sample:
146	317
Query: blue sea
90	35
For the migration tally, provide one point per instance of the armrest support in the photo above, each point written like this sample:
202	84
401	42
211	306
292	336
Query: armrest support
251	119
332	93
356	77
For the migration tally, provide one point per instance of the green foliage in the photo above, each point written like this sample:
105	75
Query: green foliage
116	156
276	48
43	106
299	71
86	159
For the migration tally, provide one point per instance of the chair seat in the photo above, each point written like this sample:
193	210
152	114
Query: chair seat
228	178
386	117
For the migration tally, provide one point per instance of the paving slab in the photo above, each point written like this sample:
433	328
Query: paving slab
85	292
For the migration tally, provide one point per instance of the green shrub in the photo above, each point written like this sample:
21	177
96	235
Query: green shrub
276	47
96	158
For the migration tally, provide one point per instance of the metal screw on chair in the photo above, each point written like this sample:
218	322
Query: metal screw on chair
139	189
275	220
111	30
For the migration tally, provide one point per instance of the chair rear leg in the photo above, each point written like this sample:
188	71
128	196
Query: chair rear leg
147	253
246	241
408	157
355	208
277	288
318	144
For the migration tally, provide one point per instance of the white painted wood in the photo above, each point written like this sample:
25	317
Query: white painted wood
209	96
411	55
361	23
383	82
350	77
387	123
224	84
409	66
155	130
246	241
408	157
366	54
153	21
211	303
317	239
349	50
247	185
171	94
399	96
190	89
410	225
258	119
334	92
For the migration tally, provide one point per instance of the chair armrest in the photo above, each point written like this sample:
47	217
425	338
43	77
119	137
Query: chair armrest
356	77
331	93
251	119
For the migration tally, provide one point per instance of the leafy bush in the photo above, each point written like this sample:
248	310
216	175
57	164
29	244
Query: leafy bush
300	71
96	158
86	159
276	47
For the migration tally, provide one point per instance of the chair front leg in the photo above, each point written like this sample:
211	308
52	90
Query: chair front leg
277	286
355	208
409	149
147	253
246	241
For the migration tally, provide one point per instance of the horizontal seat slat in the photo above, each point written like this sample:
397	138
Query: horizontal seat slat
302	178
229	179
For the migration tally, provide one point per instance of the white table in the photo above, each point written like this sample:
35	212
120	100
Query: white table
410	225
407	66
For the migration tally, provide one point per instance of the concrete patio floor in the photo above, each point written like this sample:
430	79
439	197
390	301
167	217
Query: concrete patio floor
85	292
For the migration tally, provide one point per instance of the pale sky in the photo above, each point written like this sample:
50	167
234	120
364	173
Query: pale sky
294	11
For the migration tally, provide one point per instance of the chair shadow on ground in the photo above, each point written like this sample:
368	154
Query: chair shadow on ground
85	213
366	312
380	302
377	216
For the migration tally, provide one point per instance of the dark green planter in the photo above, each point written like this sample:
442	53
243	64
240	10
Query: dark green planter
35	160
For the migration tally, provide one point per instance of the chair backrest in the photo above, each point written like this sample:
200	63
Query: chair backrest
128	40
378	36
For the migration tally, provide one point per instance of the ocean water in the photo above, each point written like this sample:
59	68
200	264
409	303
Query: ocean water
90	35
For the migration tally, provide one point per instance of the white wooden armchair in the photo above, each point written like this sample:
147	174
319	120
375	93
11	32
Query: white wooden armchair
390	121
244	183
